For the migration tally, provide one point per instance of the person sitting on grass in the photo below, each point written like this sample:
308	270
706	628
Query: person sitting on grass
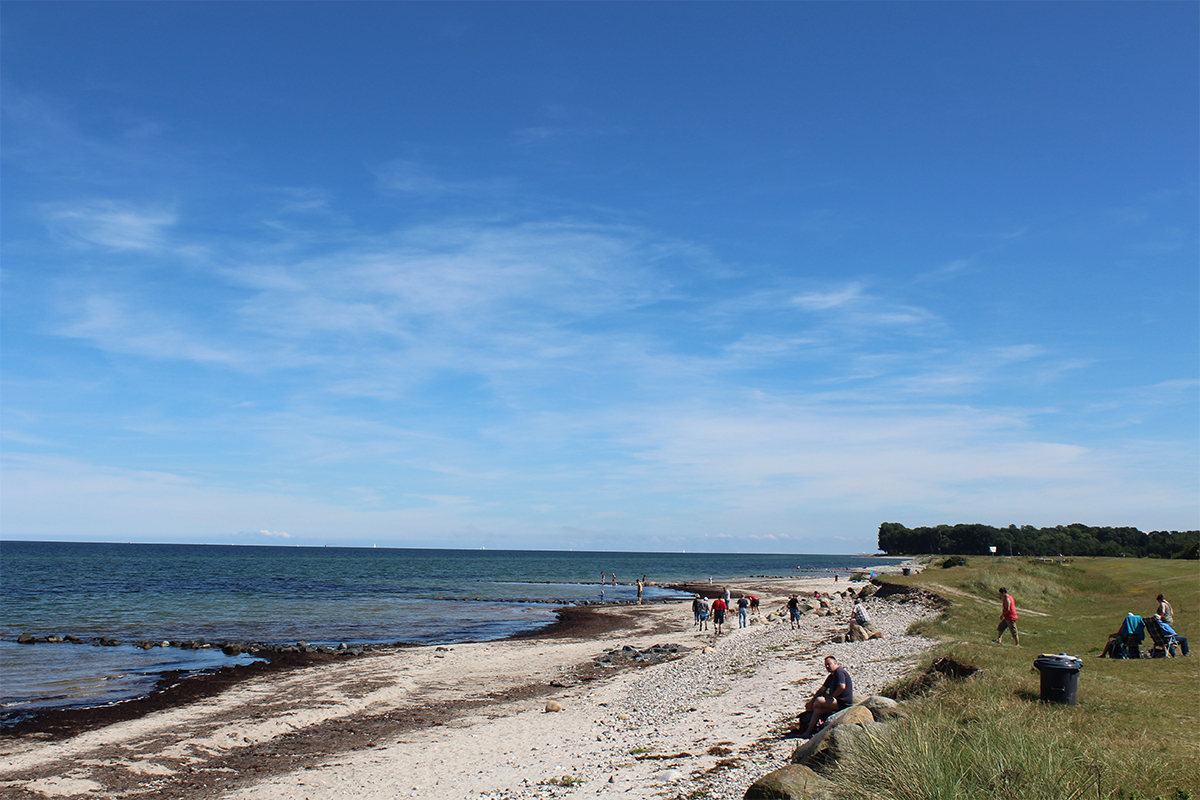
1169	631
835	694
1127	641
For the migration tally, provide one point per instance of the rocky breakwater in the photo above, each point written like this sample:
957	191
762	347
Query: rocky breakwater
229	648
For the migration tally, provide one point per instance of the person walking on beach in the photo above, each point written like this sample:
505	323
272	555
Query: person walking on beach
754	604
835	694
1008	618
641	585
703	614
743	611
697	607
719	607
793	607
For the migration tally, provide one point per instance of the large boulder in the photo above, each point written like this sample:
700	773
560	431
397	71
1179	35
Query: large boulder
867	591
861	633
821	740
850	716
883	708
793	782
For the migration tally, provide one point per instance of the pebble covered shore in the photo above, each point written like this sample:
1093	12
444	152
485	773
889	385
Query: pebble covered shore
641	718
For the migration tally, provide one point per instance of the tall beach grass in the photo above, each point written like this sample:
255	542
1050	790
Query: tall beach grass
1134	735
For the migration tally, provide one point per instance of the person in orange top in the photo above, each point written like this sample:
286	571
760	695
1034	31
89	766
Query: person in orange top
1008	617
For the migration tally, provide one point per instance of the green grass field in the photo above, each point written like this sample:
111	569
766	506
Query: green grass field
1134	734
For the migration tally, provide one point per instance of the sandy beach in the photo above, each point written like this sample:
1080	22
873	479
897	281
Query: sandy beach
471	720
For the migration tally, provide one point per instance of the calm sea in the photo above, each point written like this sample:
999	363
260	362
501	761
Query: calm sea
321	595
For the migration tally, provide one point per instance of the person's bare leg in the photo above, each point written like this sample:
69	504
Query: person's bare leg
822	708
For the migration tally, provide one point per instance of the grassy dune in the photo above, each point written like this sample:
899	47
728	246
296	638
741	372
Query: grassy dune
1134	734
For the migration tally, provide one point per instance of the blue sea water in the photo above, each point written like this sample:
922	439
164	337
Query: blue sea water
286	594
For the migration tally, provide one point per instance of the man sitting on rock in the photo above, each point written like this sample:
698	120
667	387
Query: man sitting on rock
835	694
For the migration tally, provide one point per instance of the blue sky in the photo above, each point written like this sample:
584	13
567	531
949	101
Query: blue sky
717	276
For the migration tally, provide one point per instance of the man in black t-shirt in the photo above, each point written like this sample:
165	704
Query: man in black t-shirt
793	607
835	694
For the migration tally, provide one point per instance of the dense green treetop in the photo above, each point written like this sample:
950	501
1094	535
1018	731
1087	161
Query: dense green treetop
1075	539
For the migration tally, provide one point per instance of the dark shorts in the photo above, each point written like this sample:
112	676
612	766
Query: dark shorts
1007	625
718	616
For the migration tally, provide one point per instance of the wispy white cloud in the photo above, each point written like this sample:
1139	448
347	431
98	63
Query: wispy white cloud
948	271
111	224
824	301
121	324
420	179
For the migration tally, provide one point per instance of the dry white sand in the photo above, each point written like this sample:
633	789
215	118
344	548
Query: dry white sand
470	722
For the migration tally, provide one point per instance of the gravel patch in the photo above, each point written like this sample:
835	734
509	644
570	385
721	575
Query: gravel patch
655	736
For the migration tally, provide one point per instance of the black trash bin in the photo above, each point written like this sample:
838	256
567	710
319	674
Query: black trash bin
1060	677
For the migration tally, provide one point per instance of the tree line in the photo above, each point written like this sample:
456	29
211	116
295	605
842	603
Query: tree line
1075	539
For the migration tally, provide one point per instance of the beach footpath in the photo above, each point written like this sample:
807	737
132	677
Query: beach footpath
615	701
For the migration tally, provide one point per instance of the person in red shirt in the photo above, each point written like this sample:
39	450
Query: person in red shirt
719	607
1008	617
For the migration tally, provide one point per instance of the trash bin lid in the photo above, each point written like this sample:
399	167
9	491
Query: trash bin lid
1059	661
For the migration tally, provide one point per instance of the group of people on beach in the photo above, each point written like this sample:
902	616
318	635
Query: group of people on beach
746	605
